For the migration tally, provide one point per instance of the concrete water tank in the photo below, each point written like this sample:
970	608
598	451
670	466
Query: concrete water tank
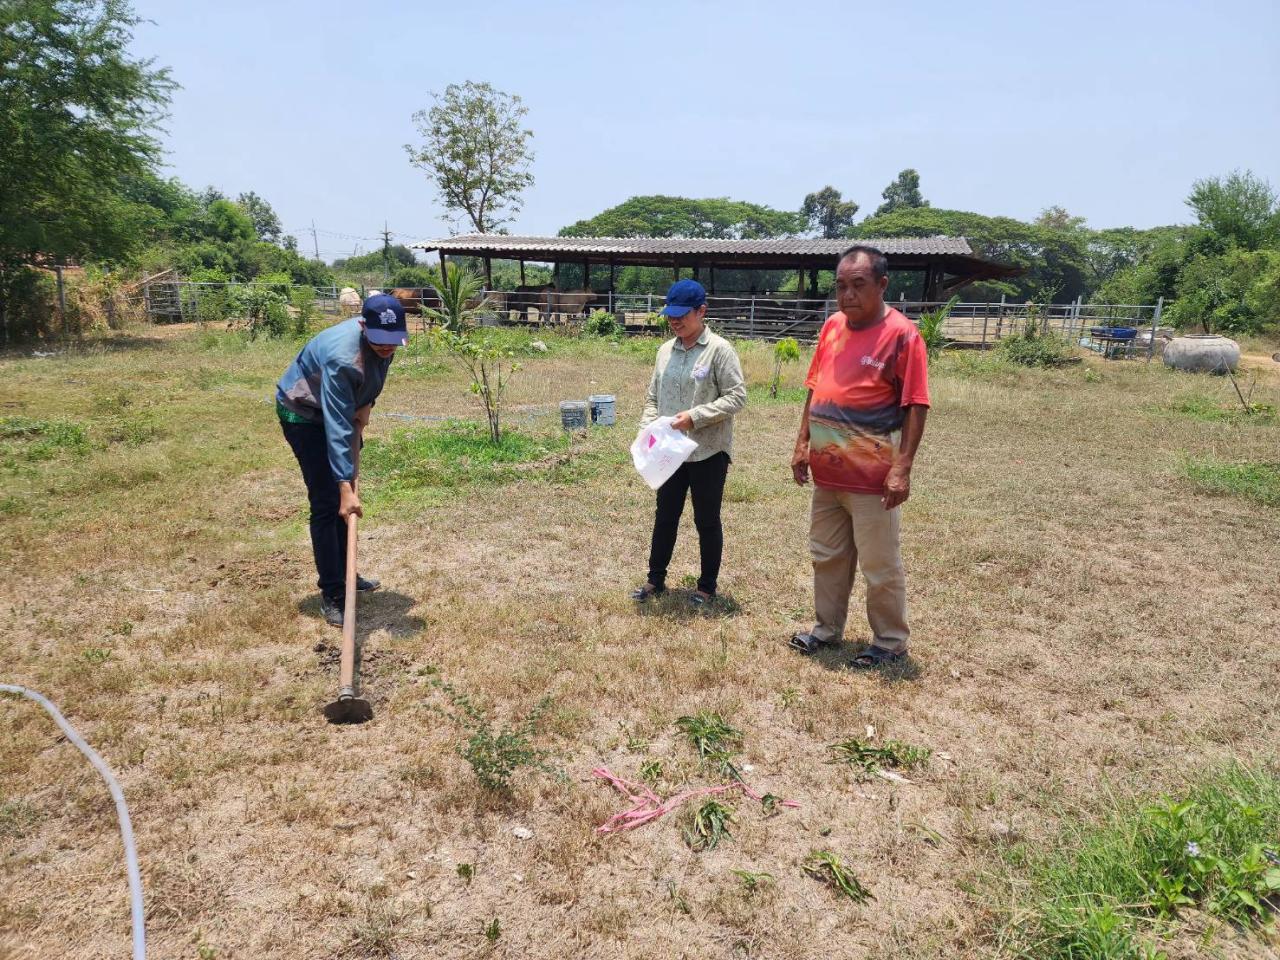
1202	353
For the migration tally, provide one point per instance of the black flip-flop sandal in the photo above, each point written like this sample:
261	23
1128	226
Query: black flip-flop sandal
873	658
808	644
645	592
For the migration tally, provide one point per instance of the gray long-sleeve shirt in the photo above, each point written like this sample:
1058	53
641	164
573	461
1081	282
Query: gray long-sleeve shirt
705	379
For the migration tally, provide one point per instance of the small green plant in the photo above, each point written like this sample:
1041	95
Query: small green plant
303	300
494	753
931	324
708	825
492	931
786	350
659	322
828	868
715	741
462	301
466	872
651	771
870	757
602	323
97	656
789	697
751	881
490	364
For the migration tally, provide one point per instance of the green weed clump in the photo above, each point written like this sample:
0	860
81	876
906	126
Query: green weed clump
708	825
1109	885
1037	350
496	753
871	758
26	438
1252	480
715	741
1200	407
827	868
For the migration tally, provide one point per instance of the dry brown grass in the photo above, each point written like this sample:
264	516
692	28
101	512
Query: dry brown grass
1082	617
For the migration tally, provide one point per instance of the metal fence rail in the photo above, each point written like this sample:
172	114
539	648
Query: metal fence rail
750	316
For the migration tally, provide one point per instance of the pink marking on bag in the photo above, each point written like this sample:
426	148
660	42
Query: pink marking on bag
652	441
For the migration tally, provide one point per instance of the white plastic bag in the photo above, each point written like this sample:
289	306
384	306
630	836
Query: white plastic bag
658	451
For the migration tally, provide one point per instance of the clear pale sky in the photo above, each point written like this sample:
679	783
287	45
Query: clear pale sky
1108	109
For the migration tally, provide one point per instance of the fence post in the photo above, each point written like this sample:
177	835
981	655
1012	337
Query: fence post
986	315
1155	322
1000	318
752	334
62	297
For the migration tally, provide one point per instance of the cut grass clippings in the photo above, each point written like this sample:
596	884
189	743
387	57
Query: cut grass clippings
1109	889
827	868
1254	481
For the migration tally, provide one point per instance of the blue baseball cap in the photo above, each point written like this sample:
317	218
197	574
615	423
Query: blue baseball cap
384	321
684	295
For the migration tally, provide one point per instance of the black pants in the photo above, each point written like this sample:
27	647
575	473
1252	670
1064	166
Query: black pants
705	481
328	530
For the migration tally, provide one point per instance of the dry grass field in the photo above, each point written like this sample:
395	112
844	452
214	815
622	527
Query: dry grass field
1094	596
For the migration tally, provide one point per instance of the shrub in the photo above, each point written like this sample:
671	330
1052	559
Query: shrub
602	323
1034	347
931	324
495	753
786	350
260	312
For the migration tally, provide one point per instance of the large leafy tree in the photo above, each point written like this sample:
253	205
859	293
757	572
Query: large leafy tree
903	193
77	124
662	216
1240	208
477	152
265	221
827	214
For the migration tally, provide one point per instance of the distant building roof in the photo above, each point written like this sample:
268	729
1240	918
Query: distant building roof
497	244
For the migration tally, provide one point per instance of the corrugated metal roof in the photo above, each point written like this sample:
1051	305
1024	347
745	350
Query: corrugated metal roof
690	246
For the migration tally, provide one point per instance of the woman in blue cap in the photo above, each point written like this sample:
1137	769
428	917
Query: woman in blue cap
697	380
323	402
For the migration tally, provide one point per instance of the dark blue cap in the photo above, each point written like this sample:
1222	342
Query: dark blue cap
384	321
684	295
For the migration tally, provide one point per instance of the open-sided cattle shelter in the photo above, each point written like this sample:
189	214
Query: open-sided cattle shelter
947	263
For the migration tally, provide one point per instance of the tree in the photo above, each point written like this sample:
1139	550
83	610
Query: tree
904	192
1240	208
476	152
77	120
827	214
1057	218
663	216
265	222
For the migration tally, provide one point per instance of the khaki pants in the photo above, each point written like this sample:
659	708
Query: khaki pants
854	530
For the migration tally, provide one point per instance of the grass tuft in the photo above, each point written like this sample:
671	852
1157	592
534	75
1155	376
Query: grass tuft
870	757
708	825
827	867
1251	480
1144	867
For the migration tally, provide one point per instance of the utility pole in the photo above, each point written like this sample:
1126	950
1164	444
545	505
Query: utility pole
315	242
386	254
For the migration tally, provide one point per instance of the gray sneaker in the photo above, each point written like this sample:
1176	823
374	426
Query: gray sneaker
331	609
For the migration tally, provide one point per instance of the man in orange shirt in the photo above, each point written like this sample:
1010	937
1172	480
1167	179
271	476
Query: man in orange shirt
862	423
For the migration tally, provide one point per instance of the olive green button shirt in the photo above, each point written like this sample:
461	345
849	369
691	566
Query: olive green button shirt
705	379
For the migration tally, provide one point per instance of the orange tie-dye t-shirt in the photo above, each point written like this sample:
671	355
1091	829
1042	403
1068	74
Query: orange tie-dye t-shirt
862	382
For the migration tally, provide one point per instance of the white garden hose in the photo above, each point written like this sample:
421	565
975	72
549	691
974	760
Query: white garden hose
126	828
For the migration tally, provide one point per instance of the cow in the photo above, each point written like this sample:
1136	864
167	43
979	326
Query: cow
413	299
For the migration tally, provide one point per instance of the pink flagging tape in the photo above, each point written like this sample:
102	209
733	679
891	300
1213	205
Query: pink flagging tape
647	806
